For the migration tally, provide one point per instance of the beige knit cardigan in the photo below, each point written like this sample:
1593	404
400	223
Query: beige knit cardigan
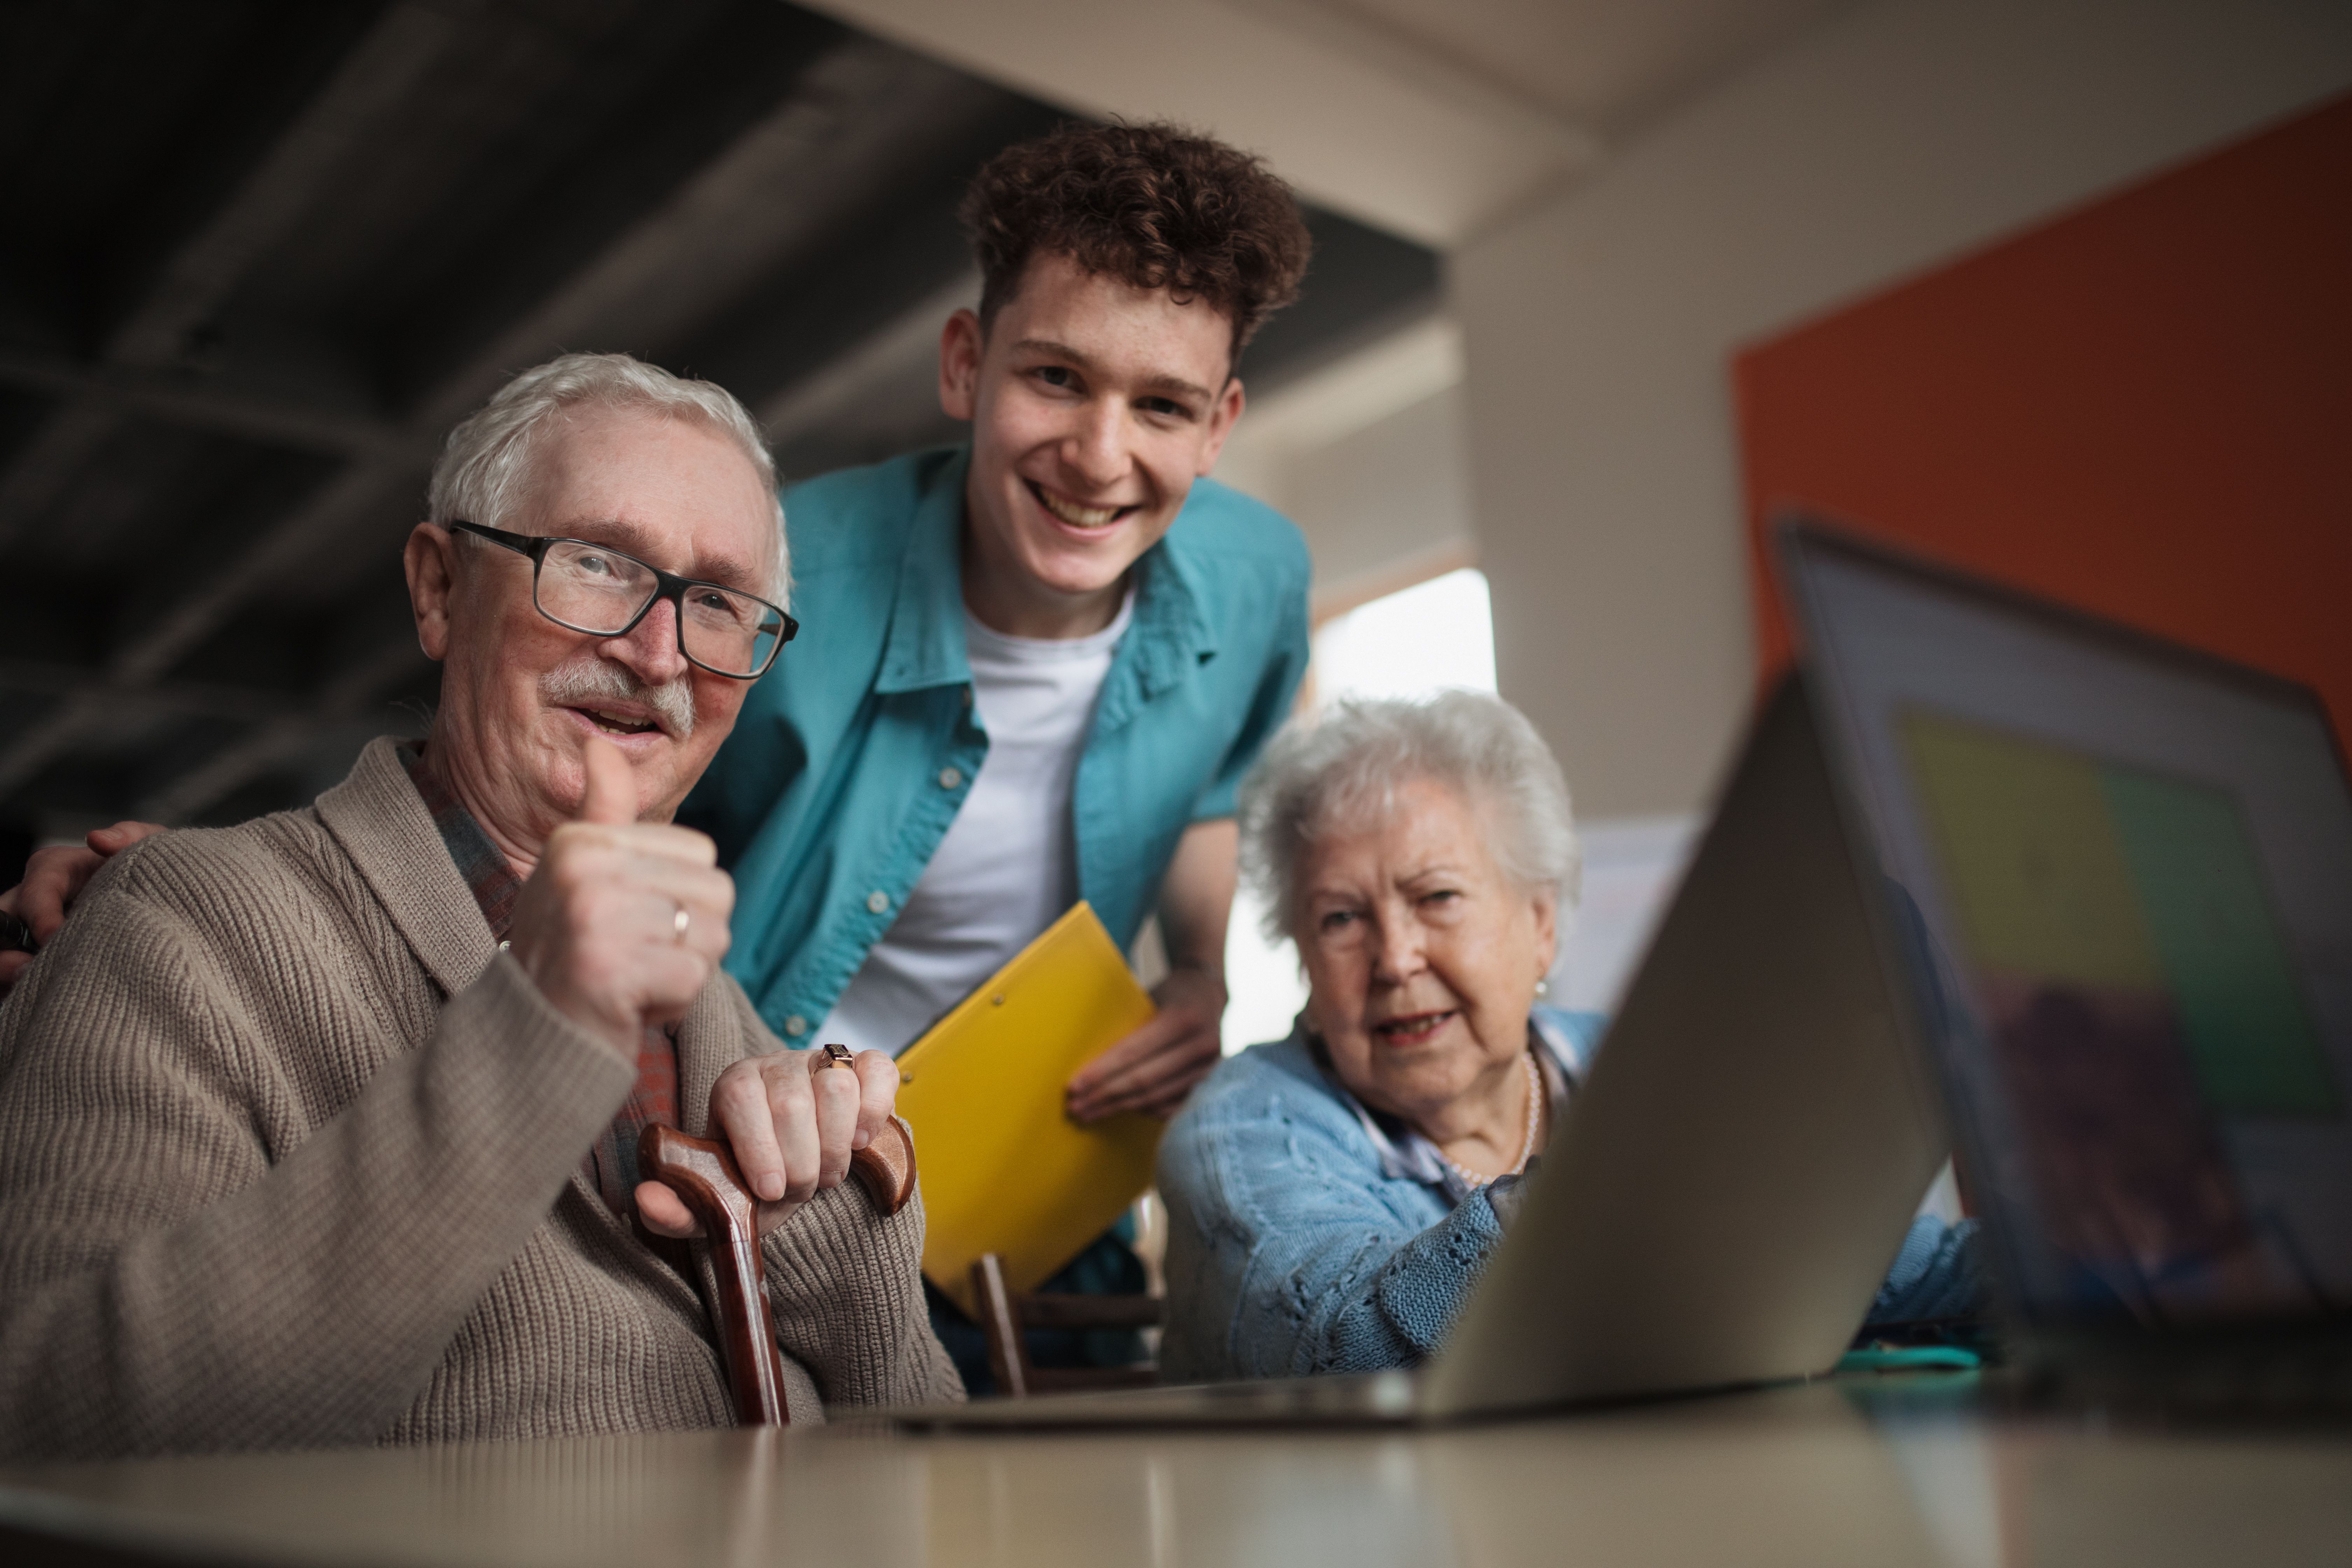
290	1156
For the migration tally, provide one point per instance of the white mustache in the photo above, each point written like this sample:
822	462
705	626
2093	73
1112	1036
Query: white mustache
577	685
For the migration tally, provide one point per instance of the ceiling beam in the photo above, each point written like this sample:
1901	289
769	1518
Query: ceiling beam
166	632
207	265
66	726
877	361
777	189
366	90
273	743
111	393
192	699
282	722
60	449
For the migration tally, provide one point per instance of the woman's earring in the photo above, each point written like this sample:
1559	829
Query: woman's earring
1543	987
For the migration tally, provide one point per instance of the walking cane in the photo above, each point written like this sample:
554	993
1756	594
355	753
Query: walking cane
703	1174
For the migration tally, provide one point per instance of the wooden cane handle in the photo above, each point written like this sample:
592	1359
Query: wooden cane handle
886	1167
703	1175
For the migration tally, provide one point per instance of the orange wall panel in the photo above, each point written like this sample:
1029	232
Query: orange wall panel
2143	407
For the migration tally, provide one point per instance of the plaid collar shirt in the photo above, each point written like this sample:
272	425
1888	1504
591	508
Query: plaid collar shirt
612	1164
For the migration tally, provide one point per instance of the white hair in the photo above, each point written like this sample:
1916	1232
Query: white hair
485	466
1347	768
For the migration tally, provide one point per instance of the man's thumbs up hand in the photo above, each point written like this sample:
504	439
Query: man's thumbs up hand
623	921
610	796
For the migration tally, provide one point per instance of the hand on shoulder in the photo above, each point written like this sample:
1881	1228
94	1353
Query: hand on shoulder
54	879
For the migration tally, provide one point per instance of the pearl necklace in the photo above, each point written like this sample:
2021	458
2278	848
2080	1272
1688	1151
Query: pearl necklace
1528	1143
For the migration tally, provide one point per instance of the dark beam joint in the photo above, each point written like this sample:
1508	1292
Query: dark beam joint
74	683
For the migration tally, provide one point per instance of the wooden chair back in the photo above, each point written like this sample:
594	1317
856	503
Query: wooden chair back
1004	1314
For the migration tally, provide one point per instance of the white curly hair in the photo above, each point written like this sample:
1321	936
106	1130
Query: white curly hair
1347	767
485	464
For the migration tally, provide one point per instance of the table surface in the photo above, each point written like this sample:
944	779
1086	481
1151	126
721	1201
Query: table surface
1917	1469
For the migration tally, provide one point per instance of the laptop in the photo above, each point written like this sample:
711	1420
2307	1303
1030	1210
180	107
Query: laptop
2133	866
1728	1186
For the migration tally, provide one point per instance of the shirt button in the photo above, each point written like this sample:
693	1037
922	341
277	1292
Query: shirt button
796	1025
950	777
877	900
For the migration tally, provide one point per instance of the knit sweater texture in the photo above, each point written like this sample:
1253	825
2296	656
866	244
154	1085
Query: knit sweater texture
291	1156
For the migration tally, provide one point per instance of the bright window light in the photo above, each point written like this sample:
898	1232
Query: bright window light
1431	637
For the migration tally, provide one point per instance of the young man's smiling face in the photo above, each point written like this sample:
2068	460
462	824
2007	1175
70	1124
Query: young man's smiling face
1094	407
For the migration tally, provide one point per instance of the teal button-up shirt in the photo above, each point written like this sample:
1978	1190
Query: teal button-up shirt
852	755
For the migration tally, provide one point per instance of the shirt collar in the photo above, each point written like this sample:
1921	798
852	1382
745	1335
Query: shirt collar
1172	634
1405	1154
385	825
488	875
925	647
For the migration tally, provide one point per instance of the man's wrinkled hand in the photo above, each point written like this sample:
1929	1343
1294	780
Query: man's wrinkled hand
791	1123
1155	1067
598	926
54	879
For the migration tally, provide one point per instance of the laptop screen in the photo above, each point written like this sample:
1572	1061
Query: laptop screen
2131	868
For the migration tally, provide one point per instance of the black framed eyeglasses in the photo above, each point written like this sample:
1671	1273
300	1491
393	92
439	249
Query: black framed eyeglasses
604	593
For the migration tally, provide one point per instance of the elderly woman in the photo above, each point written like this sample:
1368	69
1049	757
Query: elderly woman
1334	1195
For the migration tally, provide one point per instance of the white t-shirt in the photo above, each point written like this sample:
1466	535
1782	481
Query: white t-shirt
1006	869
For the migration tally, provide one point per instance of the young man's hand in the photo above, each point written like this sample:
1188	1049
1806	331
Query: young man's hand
791	1123
54	879
1155	1067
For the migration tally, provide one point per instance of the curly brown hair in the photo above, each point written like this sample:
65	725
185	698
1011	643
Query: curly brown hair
1155	205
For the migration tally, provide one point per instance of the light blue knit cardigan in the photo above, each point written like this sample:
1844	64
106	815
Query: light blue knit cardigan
1302	1239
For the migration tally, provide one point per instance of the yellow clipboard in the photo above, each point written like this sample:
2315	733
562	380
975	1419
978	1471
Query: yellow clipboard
1003	1168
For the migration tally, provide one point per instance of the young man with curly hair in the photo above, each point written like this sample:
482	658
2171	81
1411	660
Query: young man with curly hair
1051	652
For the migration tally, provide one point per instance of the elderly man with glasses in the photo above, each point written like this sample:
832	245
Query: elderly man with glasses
322	1130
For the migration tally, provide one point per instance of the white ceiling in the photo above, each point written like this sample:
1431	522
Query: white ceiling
1601	64
1431	117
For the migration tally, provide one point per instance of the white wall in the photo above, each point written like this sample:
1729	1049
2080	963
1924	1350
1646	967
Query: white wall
1390	495
1600	326
1366	457
1379	126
